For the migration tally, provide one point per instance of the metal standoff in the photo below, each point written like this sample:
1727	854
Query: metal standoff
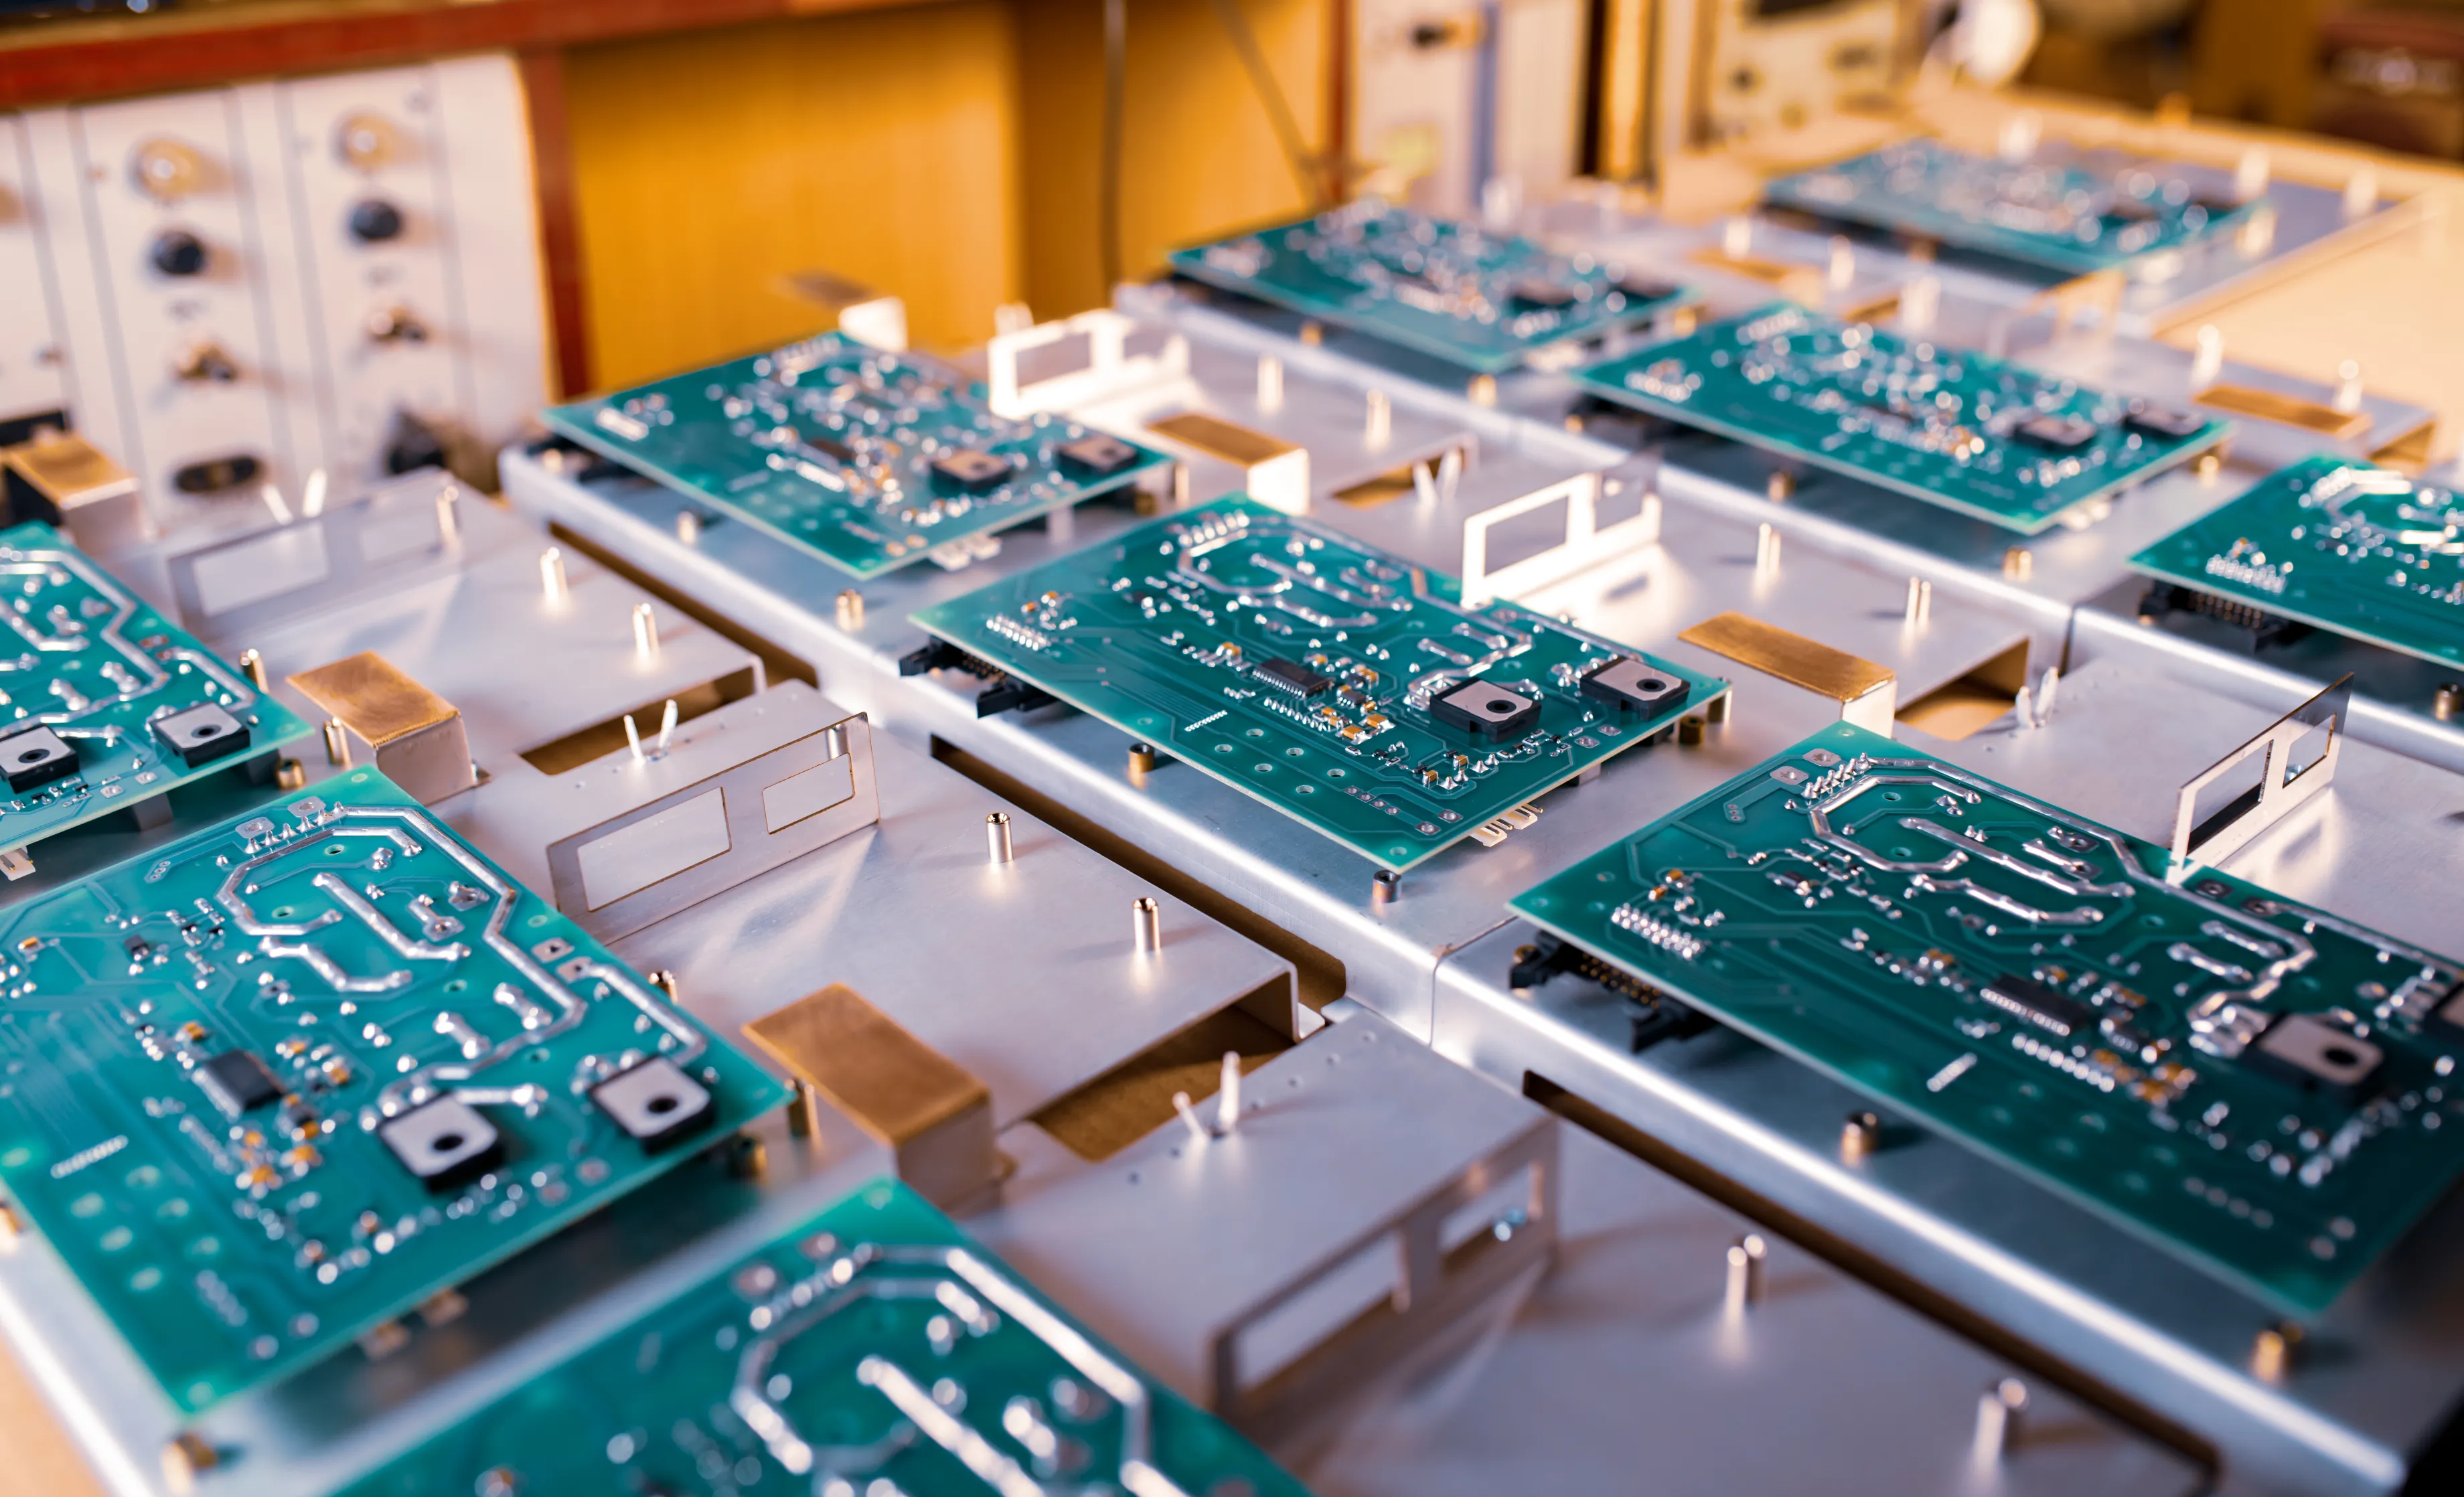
552	581
1385	887
2273	1355
1999	1409
1859	1136
996	844
1146	925
851	609
1746	1258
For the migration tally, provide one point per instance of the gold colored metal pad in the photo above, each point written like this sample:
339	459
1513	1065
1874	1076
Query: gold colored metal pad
935	1117
1867	694
69	471
372	710
372	698
1219	439
2240	400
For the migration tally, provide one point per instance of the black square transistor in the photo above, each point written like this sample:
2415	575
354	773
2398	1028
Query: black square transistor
1636	686
2059	433
2156	421
1637	286
237	1082
972	470
1534	292
200	735
1095	456
35	758
655	1103
443	1142
1491	712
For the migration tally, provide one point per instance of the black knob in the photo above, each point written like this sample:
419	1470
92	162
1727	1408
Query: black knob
413	444
374	220
177	252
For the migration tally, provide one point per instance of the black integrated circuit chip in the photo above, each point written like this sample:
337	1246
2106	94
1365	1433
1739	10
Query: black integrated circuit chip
236	1082
1290	675
2058	1014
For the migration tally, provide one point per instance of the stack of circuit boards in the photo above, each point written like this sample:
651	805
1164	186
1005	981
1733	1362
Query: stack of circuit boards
308	1060
281	1066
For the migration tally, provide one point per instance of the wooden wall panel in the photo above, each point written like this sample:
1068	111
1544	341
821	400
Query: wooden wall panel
1199	155
878	145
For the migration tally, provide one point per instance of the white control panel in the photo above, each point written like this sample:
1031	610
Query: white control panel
253	284
29	351
1465	107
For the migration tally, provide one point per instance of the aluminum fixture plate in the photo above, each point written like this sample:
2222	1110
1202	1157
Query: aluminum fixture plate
1633	1344
737	792
2121	741
2154	1330
1309	1210
2309	224
1281	870
2064	572
1011	1003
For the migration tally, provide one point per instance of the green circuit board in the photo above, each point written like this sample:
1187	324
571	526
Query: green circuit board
272	1087
1342	686
1976	434
874	1350
106	702
1451	290
2075	217
2342	545
871	460
2261	1088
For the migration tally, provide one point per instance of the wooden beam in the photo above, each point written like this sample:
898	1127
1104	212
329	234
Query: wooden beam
58	61
561	271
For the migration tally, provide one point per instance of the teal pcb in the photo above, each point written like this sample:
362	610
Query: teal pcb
2076	218
1976	434
108	703
2342	545
1342	686
279	1083
873	1349
871	460
1451	290
2254	1084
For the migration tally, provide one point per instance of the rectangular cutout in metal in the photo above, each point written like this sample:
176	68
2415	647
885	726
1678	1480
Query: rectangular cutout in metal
398	534
623	863
758	836
2294	768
